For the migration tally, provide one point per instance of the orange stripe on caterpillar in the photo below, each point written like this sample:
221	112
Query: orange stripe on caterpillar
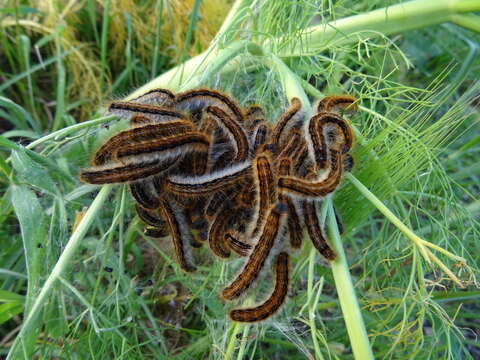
215	236
151	217
293	221
297	186
295	228
270	232
254	113
138	120
314	229
118	173
236	133
155	233
179	234
292	145
260	134
248	196
239	247
284	167
273	303
336	103
266	185
191	140
158	97
293	113
145	194
194	100
139	134
329	131
158	113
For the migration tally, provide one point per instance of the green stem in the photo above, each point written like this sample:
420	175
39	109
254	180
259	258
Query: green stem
468	21
389	215
243	343
63	262
156	49
61	84
420	243
56	135
194	15
290	81
390	20
346	293
312	305
209	69
104	39
234	16
235	329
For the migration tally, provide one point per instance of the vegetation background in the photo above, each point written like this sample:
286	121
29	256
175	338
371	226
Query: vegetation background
120	296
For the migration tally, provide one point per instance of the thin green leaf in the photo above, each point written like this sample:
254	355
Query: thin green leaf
21	116
8	296
32	172
9	310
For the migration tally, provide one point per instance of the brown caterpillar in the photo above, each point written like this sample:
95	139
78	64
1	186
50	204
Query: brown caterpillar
271	305
201	168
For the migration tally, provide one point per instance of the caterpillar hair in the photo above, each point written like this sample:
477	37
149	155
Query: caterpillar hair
157	113
180	234
167	147
119	173
194	100
208	183
266	185
291	115
337	103
273	303
241	248
145	194
235	131
270	232
136	135
158	97
314	229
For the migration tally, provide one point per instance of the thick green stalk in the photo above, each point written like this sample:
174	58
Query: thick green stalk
63	262
390	20
290	81
468	21
195	69
346	293
211	68
173	78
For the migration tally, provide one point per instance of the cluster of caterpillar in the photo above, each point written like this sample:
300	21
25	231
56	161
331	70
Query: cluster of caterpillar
204	170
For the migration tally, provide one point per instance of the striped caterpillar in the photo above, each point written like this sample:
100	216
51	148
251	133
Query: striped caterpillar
203	170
